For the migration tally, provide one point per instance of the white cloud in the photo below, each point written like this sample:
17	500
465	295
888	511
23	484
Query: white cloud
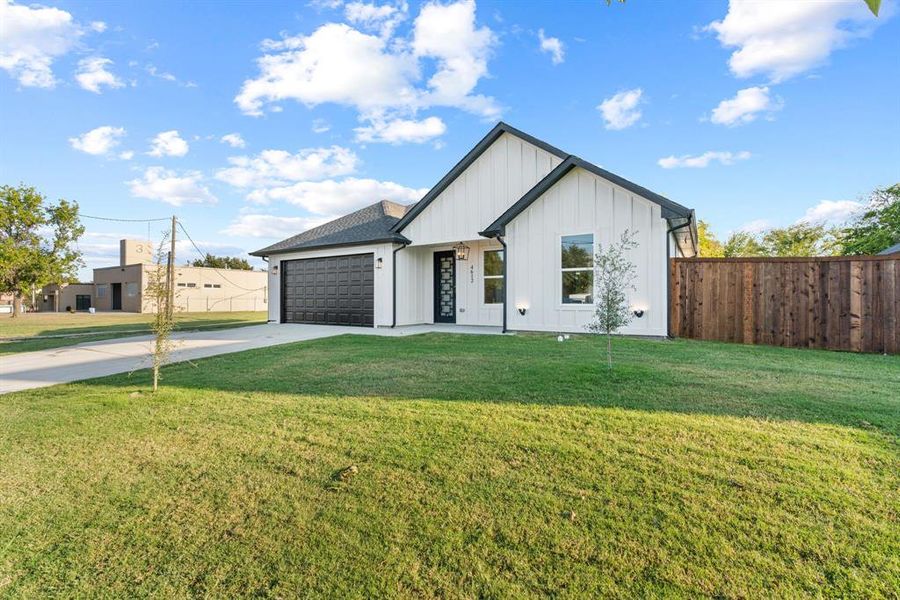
621	111
92	74
781	39
126	155
171	187
702	160
552	46
270	226
831	211
153	71
99	141
234	140
383	19
280	167
399	131
320	126
745	107
31	38
98	26
331	197
378	75
168	143
755	226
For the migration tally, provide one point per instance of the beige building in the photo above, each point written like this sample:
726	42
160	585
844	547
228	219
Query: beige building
198	289
68	296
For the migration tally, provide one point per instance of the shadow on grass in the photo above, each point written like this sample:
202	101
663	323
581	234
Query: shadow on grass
688	377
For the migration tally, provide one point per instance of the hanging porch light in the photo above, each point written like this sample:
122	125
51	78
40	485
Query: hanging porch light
462	251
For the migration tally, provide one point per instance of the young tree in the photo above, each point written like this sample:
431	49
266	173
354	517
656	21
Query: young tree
158	293
613	278
709	245
877	227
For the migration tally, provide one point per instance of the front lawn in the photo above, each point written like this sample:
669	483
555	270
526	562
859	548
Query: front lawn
41	331
482	466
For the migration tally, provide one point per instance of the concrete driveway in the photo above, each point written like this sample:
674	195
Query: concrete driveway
30	370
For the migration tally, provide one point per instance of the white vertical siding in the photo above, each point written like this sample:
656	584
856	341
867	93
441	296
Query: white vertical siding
491	184
383	278
579	203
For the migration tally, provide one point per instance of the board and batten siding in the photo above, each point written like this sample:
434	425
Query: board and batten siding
383	278
582	203
494	182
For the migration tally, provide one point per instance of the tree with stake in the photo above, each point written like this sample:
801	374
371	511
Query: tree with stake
159	288
613	277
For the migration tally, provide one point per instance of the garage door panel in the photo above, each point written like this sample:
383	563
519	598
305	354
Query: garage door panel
334	290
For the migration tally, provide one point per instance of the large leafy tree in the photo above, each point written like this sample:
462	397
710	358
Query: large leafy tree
37	241
800	239
742	243
222	262
709	245
877	227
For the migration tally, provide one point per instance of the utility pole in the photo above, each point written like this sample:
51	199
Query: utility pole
170	275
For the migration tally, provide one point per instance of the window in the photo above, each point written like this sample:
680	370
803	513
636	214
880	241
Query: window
577	262
216	285
493	277
182	284
101	290
190	284
207	285
131	289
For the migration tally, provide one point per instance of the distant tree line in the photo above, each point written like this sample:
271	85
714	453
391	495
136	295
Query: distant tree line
222	262
872	230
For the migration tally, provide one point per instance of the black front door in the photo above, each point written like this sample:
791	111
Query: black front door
82	301
445	287
117	296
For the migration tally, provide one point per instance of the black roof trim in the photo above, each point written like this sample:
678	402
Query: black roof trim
466	161
396	239
670	209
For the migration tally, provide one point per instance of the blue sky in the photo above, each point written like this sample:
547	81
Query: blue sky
751	113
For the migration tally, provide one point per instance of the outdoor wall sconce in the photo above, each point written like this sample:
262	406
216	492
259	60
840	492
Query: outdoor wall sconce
274	269
522	309
639	312
462	251
379	263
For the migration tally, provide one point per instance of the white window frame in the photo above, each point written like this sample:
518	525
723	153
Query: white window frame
560	270
485	276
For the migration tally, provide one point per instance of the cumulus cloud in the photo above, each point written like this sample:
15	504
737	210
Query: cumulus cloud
553	46
98	26
399	131
332	197
831	211
99	141
783	39
702	161
271	226
234	140
372	17
31	38
171	187
380	75
93	74
126	155
621	111
168	143
320	126
745	107
280	167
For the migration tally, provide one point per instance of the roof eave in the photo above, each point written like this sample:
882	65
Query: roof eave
395	239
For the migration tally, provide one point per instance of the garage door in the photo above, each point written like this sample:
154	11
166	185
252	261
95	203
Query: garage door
337	290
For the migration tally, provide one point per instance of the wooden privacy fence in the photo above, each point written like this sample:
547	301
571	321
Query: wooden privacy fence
836	303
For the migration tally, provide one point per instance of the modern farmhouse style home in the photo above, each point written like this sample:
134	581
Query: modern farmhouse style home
506	239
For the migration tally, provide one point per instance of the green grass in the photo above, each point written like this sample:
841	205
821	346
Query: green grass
487	466
68	329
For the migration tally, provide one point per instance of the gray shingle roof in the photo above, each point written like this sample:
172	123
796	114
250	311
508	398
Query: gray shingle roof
368	225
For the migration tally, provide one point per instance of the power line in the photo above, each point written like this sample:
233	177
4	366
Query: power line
203	255
122	220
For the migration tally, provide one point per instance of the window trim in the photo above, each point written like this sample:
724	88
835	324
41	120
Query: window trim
485	277
559	270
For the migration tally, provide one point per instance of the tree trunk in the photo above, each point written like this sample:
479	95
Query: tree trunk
15	312
155	377
608	350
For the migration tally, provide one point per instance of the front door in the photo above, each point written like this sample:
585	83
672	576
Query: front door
445	287
117	296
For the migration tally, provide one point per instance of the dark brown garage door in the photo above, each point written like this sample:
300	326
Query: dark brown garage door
338	290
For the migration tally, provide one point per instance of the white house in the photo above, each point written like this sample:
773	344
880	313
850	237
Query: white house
505	239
